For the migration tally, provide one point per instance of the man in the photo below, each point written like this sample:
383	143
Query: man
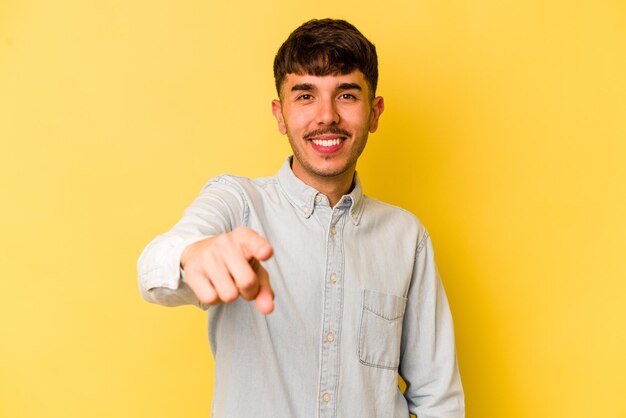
318	296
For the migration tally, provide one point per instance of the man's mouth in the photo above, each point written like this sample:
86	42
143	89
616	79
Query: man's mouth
327	142
328	139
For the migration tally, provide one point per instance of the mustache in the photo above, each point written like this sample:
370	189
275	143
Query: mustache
329	130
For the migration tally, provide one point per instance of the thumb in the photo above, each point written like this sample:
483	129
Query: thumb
264	251
254	245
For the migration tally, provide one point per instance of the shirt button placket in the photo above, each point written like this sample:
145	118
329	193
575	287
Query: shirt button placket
333	302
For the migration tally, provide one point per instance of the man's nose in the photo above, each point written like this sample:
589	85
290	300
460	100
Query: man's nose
327	112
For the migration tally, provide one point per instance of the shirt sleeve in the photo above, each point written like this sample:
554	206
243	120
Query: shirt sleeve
428	362
220	207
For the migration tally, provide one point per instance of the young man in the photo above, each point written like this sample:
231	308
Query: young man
318	296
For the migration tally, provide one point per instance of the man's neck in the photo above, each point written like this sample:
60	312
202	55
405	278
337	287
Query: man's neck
334	188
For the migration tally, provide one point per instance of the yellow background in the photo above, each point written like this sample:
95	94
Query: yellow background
504	131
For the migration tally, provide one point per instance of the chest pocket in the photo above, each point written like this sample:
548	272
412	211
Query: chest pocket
381	329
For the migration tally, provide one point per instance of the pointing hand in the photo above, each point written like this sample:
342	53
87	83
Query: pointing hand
222	268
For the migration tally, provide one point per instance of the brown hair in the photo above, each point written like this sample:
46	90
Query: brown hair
326	47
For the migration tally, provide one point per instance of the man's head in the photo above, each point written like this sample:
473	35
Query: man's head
326	75
326	47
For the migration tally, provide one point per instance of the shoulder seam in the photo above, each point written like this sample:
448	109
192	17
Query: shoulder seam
389	205
224	179
422	243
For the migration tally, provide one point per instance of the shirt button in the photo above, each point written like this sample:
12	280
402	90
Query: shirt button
333	278
307	211
333	231
318	198
326	397
330	337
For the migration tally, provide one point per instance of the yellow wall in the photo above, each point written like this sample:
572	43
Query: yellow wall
504	131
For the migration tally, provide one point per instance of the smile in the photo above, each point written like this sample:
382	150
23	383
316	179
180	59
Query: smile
327	142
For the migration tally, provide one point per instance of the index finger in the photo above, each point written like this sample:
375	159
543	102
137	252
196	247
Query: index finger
265	298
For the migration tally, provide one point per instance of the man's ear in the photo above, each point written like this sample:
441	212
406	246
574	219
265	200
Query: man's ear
378	106
277	110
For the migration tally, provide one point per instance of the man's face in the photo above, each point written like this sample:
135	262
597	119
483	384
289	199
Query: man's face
327	120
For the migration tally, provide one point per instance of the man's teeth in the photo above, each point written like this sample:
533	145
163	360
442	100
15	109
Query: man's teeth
326	142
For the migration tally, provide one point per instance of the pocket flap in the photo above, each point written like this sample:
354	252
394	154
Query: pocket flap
386	306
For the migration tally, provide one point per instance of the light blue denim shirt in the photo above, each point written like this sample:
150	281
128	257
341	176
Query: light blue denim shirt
358	300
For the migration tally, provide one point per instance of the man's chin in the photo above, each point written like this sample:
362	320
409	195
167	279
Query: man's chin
329	172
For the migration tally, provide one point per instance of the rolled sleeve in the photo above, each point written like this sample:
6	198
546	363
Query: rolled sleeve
218	209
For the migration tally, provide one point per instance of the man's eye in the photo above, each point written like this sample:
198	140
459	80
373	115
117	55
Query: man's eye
305	97
347	96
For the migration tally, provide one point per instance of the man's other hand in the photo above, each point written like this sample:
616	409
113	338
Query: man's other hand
221	268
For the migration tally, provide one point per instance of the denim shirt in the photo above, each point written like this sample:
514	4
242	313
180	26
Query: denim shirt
358	300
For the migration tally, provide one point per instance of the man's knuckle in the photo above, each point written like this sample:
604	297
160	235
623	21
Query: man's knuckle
221	241
229	295
247	281
207	299
193	274
244	233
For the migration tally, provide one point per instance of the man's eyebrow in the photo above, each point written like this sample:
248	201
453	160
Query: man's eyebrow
349	86
342	86
302	86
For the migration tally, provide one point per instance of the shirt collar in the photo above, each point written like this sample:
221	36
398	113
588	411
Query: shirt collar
302	196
